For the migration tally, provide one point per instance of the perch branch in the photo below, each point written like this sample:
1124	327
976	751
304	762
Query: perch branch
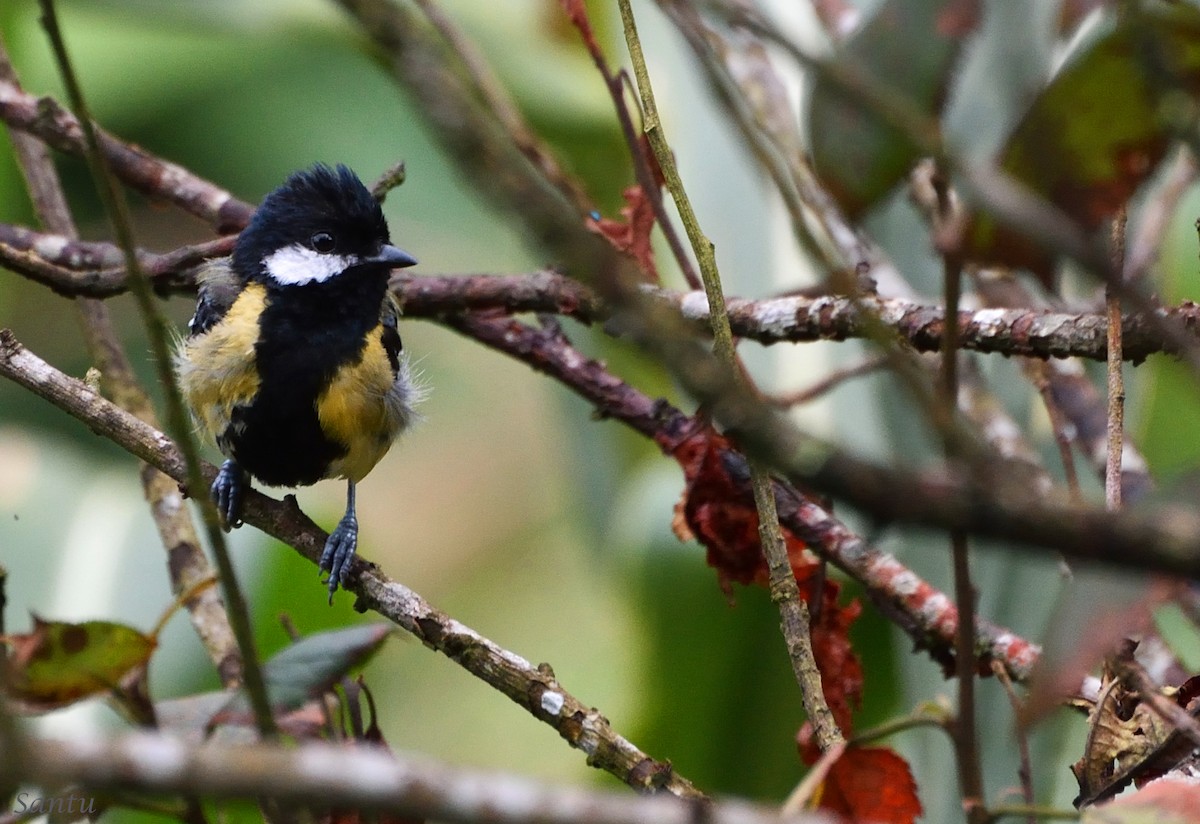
533	688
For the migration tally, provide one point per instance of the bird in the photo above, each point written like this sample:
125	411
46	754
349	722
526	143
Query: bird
293	364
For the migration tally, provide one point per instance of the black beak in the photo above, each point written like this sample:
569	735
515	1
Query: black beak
393	257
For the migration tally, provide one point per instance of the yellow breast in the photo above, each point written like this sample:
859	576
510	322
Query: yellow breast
217	370
355	410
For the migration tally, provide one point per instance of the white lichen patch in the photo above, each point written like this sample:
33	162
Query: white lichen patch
552	702
990	321
694	305
777	317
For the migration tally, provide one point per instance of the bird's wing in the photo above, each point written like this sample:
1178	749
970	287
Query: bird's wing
219	287
389	319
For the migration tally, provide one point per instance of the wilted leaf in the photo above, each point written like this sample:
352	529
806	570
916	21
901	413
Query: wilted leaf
1129	742
631	235
871	784
909	48
59	663
1100	128
1164	802
716	510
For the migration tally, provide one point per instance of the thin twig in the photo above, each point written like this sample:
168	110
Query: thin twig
830	382
1116	379
177	419
492	92
1025	771
1041	381
966	743
784	590
615	83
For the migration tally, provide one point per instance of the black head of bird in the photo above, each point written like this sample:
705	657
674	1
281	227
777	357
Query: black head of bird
319	224
294	365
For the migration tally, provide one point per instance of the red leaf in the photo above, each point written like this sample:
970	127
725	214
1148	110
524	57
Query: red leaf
717	512
631	235
871	784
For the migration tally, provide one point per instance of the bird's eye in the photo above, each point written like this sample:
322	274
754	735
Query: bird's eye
322	242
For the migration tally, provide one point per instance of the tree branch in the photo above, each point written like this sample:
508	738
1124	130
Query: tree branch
534	688
325	776
154	177
187	564
81	268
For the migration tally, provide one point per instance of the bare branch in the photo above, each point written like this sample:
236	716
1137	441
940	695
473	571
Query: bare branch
795	319
323	776
534	688
154	177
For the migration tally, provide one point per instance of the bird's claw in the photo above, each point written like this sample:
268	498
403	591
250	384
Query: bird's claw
339	553
226	492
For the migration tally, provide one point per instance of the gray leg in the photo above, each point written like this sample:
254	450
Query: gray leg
226	493
340	547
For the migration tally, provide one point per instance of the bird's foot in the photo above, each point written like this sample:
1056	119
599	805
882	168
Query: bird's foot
226	493
339	552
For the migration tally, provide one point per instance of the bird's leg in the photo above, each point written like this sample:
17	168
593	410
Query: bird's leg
339	548
226	493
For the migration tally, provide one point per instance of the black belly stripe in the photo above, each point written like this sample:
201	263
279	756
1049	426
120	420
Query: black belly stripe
306	334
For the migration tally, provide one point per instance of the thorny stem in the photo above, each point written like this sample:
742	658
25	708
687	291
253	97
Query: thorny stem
177	419
784	590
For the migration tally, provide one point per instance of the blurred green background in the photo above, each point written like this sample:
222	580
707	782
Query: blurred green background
509	507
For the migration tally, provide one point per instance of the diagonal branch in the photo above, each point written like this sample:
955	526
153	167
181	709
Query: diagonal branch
154	177
534	688
918	608
187	564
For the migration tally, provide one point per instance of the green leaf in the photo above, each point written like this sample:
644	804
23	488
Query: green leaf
1099	129
59	663
907	49
312	665
298	673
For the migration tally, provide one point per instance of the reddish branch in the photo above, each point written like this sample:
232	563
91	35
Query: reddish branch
80	268
154	177
926	614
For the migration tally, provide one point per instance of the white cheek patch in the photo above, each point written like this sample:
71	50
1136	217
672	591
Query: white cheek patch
295	265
